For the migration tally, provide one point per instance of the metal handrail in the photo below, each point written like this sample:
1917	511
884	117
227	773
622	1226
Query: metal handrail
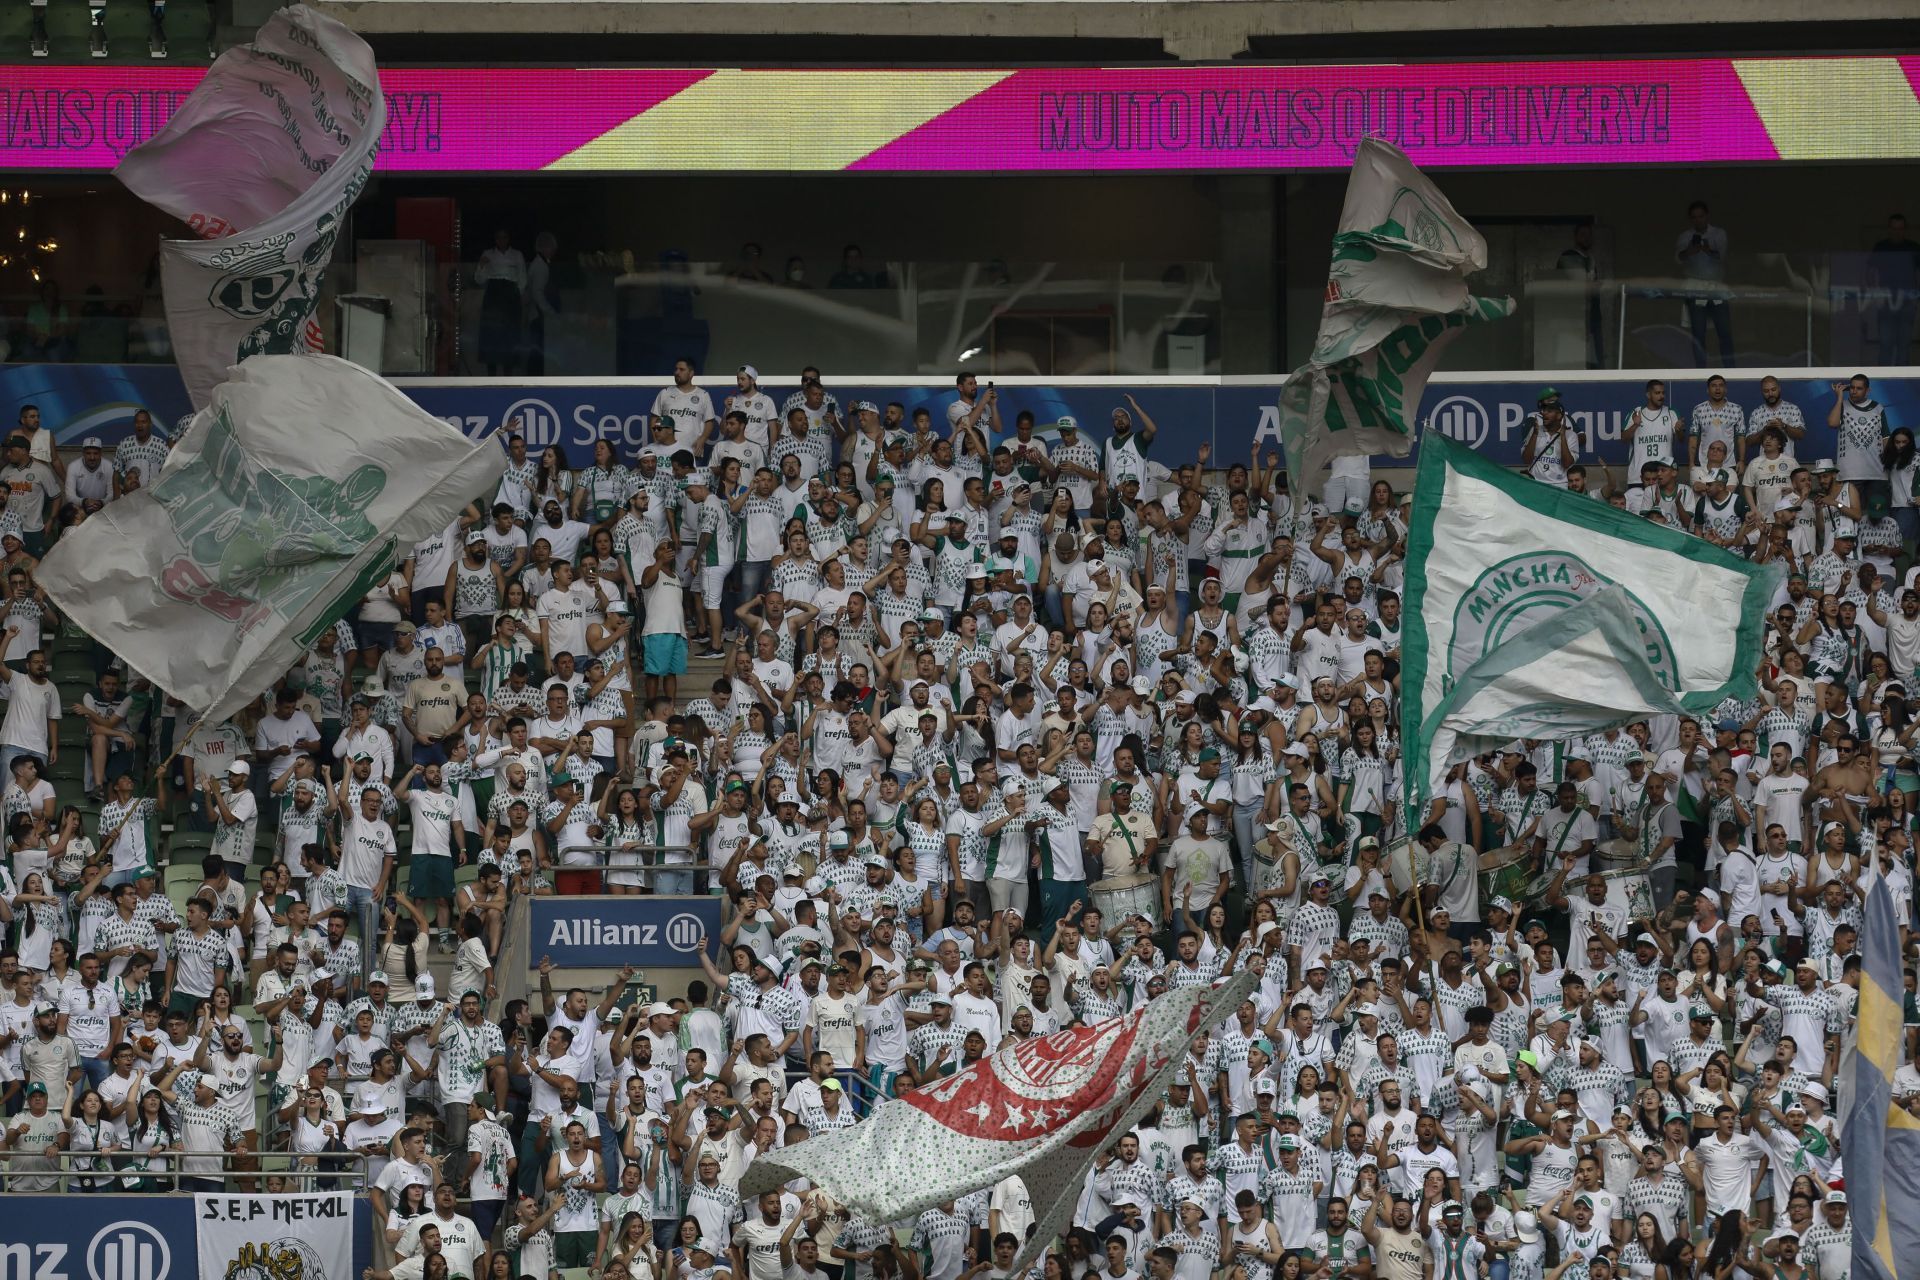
606	849
350	1166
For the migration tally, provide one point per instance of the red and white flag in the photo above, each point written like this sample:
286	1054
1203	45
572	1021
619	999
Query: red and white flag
1042	1109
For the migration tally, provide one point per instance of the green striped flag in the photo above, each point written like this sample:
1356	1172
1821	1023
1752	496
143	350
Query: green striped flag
1396	296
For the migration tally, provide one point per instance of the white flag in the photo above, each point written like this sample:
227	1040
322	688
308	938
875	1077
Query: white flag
1492	556
1576	672
1396	296
1042	1108
296	1235
293	494
262	161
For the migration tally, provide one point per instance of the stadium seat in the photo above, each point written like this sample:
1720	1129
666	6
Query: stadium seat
73	668
180	878
188	847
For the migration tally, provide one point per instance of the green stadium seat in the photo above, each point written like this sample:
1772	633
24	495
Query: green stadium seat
188	847
73	668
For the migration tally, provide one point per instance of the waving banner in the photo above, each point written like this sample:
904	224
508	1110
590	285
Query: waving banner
262	161
1492	555
1396	296
289	498
1578	672
1882	1137
1042	1108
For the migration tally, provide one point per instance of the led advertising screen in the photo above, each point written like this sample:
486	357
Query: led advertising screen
1098	120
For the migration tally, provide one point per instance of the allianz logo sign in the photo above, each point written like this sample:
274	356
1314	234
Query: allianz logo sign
683	933
118	1251
1468	420
543	424
1461	419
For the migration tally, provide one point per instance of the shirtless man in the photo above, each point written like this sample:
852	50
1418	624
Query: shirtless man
1848	780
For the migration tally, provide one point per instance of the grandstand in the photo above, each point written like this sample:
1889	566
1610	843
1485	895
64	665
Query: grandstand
896	636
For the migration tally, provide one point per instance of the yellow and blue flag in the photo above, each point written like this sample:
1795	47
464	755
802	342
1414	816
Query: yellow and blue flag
1881	1139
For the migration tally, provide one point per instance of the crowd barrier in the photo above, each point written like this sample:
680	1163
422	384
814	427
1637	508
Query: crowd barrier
164	1236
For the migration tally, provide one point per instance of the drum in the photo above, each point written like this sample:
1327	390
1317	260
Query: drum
1400	874
1628	890
1629	887
1610	855
1120	897
1269	856
1503	874
1267	852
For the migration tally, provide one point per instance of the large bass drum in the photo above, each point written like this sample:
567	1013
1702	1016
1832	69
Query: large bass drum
1614	855
1121	897
1503	874
1400	869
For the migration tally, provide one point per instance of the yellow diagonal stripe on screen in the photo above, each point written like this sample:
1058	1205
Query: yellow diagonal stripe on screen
1834	108
781	120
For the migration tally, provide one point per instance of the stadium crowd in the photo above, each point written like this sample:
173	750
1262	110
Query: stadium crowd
1014	727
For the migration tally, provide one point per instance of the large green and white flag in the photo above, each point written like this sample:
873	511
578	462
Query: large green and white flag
1396	296
1496	563
1575	672
288	498
261	161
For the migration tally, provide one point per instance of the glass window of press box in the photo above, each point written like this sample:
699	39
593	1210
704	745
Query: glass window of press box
1065	276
